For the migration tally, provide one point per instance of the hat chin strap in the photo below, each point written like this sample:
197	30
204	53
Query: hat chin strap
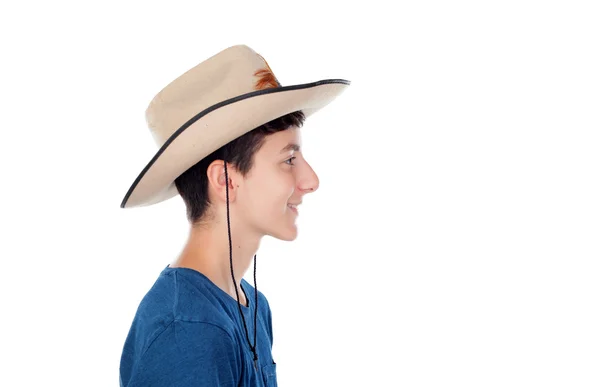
253	347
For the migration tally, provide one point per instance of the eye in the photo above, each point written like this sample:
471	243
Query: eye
290	159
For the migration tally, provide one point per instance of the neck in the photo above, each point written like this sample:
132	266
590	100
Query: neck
207	251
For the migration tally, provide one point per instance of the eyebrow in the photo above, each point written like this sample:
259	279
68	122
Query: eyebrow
291	146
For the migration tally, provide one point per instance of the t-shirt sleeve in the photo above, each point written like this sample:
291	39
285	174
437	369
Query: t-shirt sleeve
189	354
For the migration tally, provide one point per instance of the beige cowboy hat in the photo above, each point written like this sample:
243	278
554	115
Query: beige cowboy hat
220	99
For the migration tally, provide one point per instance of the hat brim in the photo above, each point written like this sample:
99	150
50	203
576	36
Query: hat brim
218	125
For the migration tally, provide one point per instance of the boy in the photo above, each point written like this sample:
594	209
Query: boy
230	146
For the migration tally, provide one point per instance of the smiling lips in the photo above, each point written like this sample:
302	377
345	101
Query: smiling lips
293	207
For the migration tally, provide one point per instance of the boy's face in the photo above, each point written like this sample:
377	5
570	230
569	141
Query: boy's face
273	183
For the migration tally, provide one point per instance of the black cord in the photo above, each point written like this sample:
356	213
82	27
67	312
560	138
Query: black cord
253	347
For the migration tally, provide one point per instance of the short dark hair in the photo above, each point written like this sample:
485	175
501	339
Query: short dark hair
192	185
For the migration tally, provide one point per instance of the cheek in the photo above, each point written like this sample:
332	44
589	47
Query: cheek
274	193
287	187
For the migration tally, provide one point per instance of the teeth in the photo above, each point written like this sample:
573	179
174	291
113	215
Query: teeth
291	206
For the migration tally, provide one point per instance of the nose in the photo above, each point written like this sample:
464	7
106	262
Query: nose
310	180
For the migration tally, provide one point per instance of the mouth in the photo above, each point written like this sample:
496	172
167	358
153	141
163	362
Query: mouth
293	207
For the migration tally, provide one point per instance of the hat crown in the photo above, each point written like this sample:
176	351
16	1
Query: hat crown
230	73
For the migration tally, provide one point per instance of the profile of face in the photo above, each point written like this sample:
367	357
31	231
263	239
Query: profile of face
278	179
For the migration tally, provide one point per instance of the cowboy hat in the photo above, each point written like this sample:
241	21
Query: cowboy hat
215	102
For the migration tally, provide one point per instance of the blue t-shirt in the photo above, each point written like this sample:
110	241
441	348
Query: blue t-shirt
188	332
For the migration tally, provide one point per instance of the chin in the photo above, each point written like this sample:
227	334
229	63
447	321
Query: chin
287	235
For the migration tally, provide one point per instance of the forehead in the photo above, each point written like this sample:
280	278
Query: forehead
283	141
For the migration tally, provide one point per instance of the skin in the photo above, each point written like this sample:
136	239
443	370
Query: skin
258	207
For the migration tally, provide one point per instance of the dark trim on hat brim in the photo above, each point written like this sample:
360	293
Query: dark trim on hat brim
219	105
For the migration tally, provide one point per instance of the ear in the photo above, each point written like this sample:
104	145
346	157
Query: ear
216	180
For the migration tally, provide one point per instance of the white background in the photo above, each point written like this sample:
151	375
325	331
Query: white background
455	237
